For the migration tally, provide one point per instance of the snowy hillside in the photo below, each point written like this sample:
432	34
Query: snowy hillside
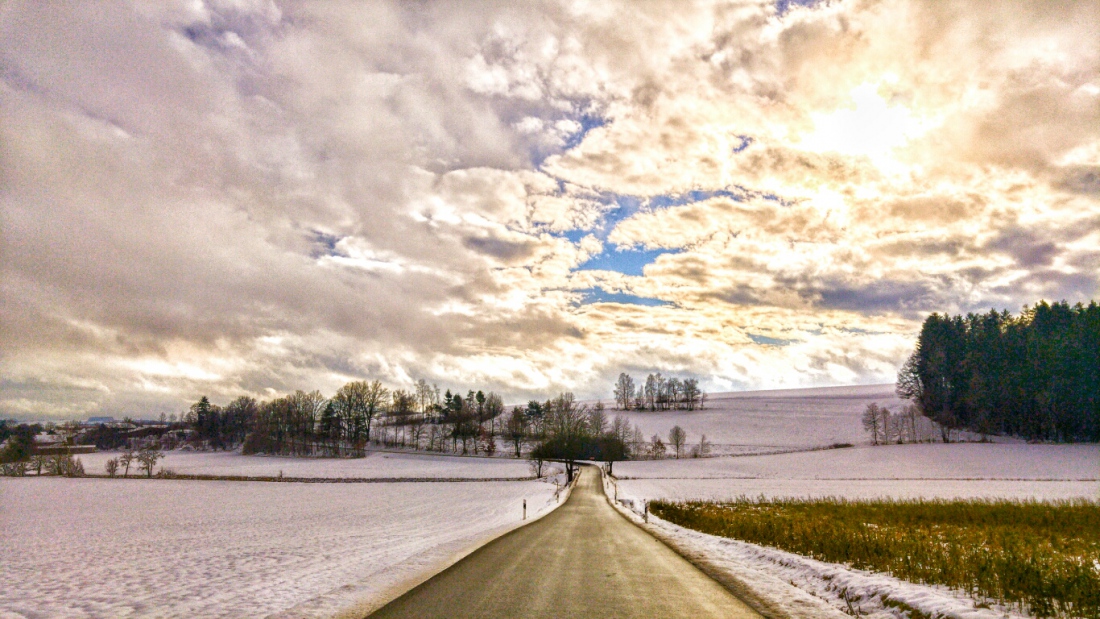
753	421
902	471
79	548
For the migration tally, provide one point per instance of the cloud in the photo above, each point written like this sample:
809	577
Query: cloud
253	197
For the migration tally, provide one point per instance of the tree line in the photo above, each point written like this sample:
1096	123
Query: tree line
909	425
361	413
1035	375
366	412
658	393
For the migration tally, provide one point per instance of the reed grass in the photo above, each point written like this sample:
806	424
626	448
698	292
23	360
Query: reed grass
1040	557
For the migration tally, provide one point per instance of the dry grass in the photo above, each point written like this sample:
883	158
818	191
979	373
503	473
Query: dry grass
1043	558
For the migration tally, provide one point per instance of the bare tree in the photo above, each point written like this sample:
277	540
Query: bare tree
37	462
148	458
358	403
656	447
494	408
691	393
872	421
677	437
702	449
597	420
624	391
401	411
651	392
305	412
516	428
112	467
426	395
911	413
898	428
126	459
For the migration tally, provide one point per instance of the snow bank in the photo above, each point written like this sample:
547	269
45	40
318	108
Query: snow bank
77	548
375	465
780	583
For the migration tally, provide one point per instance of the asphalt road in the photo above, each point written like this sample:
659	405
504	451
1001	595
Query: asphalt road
582	560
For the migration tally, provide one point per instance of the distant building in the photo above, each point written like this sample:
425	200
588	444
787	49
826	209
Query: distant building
101	419
52	445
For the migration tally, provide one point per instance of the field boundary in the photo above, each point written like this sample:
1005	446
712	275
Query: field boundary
302	480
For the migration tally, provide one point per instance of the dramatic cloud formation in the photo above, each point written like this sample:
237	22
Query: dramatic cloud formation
231	197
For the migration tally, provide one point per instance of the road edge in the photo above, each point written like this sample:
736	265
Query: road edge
755	599
366	607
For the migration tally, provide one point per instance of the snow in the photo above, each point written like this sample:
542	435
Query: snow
385	465
802	588
77	548
964	470
779	420
794	426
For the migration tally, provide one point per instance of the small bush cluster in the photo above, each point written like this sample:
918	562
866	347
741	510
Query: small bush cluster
63	465
13	469
1042	558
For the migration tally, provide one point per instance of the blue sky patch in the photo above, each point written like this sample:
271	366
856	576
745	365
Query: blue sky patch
768	341
324	245
588	122
691	197
625	261
599	295
782	6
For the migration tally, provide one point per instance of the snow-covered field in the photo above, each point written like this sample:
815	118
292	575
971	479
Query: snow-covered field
375	465
799	587
75	548
760	421
900	471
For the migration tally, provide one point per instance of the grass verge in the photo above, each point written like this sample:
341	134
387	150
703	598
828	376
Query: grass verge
1042	558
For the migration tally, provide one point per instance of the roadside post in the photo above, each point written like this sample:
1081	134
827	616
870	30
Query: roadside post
525	509
647	512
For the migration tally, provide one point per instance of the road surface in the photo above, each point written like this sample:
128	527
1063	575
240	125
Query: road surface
582	560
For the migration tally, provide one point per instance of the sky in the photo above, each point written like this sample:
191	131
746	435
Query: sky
247	197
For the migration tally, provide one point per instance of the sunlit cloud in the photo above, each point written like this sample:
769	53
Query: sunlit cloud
870	127
230	198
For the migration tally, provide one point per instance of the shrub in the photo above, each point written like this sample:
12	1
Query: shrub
13	469
64	465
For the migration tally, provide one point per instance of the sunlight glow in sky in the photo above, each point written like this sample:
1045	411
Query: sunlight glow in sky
230	197
870	127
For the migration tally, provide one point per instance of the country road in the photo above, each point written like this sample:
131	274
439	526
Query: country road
582	560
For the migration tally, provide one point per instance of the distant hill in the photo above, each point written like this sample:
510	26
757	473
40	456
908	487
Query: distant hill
760	421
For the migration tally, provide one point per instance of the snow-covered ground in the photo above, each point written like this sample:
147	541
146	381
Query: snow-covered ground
760	421
375	465
901	471
798	420
76	548
802	588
